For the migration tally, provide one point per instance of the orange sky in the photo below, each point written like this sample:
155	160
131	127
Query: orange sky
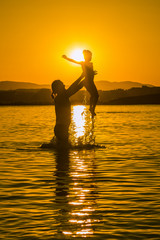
123	35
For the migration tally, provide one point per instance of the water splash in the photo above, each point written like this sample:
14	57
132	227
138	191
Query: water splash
82	127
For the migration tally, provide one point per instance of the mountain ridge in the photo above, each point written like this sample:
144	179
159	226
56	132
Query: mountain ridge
107	85
14	85
101	85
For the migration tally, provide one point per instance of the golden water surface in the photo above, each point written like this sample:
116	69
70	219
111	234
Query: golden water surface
106	193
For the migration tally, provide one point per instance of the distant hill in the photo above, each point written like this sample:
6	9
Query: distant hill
11	85
134	100
101	85
107	86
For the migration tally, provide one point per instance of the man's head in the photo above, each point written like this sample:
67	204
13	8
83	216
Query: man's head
87	55
57	87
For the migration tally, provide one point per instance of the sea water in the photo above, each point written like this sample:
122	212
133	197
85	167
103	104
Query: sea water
110	193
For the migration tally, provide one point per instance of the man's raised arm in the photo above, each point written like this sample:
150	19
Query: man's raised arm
76	86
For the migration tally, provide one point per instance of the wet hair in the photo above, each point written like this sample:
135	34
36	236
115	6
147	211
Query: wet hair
88	54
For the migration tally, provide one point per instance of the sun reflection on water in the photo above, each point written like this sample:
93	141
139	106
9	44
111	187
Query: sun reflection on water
83	203
75	194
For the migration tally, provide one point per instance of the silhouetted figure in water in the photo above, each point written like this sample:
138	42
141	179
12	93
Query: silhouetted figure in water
87	67
63	109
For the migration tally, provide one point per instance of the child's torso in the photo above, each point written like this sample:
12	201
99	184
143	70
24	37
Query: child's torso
87	68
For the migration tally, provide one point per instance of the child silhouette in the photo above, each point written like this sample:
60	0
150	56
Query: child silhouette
88	82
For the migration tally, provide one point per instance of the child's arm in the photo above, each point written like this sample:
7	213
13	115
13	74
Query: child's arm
76	86
71	60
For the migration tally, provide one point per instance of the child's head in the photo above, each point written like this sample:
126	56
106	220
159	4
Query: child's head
57	87
87	55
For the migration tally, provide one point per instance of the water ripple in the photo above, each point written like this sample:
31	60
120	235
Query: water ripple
110	193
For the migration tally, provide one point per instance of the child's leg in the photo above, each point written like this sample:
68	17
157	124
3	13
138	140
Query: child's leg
93	99
93	103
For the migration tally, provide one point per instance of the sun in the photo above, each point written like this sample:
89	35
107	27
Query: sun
77	54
